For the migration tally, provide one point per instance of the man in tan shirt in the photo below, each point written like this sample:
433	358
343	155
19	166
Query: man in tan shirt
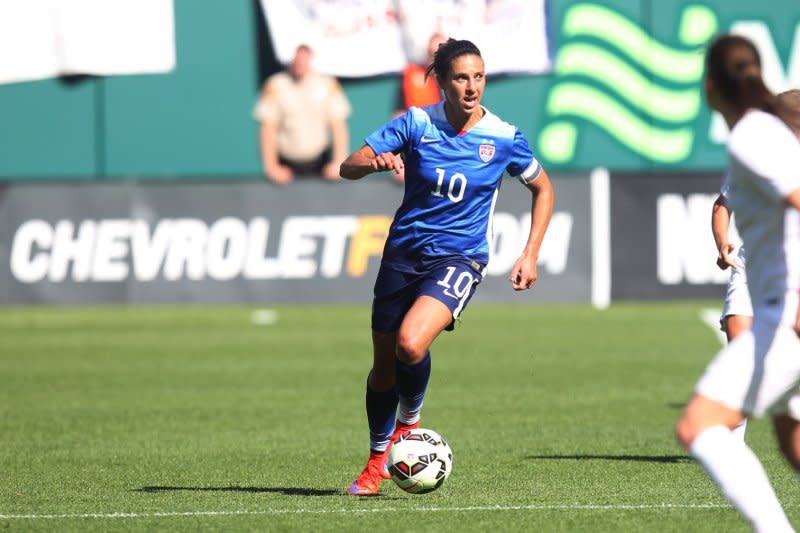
303	118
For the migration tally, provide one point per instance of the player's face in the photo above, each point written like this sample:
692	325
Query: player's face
463	87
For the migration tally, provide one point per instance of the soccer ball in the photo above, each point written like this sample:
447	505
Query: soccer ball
420	461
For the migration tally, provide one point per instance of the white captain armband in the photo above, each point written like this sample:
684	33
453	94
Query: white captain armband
530	173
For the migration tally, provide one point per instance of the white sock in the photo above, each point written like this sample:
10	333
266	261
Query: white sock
739	474
408	414
739	430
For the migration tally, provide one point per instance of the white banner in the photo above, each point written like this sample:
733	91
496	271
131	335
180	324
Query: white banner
356	38
46	38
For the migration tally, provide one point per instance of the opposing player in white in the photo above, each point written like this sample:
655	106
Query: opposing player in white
759	372
737	309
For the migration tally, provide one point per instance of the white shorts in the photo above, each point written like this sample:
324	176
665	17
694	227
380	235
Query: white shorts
737	296
758	373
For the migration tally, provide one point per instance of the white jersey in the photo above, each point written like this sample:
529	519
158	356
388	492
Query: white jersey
764	157
759	371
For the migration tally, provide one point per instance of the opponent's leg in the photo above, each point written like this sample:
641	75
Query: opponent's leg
705	430
735	325
787	430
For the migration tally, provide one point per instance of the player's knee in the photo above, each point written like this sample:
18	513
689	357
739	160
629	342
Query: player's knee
410	348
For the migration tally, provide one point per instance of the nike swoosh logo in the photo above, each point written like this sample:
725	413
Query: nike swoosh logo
428	139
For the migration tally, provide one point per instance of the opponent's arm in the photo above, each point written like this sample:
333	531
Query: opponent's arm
365	161
524	274
793	200
720	222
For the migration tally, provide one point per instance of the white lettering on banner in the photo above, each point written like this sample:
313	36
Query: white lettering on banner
297	247
335	233
257	266
226	248
111	251
148	253
511	234
75	250
186	251
686	249
114	250
29	260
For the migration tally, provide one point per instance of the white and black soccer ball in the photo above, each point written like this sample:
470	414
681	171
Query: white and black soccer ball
420	461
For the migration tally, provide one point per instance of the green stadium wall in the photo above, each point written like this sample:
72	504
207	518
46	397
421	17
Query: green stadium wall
196	122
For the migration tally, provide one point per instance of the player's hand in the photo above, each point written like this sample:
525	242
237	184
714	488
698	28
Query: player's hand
385	161
280	175
399	174
724	259
523	274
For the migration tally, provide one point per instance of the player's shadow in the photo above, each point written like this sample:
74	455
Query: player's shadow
289	491
637	458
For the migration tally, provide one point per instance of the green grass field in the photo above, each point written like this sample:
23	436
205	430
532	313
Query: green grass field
196	418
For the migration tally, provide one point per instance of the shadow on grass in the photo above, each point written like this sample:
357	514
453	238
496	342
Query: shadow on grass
289	491
640	458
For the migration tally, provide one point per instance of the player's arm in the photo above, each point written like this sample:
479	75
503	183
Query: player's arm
720	222
365	161
524	274
793	200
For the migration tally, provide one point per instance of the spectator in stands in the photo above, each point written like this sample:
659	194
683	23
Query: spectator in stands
303	118
417	88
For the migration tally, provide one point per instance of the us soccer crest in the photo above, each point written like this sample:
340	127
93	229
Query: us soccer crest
486	152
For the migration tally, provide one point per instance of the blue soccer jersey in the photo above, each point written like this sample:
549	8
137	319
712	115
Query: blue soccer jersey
451	183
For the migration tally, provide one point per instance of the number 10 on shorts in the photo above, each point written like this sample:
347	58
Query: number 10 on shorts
460	286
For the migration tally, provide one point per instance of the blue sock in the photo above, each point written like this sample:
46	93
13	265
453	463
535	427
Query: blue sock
412	381
381	409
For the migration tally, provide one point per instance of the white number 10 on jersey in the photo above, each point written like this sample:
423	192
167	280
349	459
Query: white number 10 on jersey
455	188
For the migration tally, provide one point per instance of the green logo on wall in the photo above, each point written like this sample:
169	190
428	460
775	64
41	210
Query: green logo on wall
611	73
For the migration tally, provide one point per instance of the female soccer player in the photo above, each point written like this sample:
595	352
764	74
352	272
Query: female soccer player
455	152
737	311
759	372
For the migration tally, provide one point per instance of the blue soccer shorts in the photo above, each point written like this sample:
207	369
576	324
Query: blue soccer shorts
451	281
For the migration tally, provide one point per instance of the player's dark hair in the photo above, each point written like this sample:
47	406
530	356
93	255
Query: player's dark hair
446	53
733	65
